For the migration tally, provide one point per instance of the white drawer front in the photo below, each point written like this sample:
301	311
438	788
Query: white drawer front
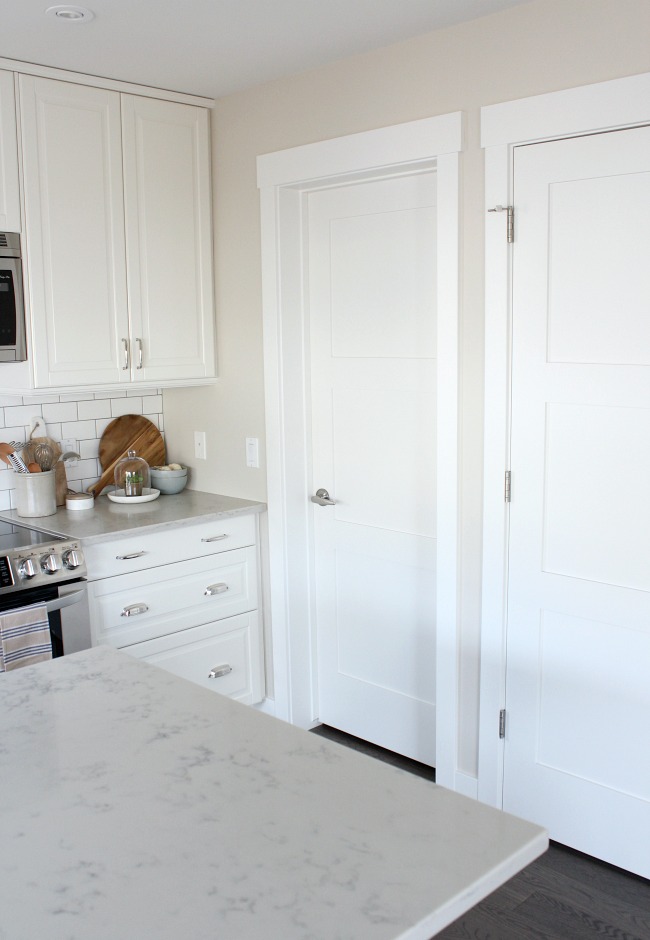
195	653
153	603
166	546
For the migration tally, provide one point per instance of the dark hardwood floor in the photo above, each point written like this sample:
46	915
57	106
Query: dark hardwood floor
563	895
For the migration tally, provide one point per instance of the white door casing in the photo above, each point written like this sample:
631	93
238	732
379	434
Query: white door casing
579	607
285	180
372	276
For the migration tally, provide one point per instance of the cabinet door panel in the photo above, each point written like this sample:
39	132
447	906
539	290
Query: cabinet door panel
74	213
229	644
9	187
129	553
152	603
169	237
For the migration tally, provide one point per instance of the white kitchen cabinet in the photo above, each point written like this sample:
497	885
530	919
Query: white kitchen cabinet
118	236
189	602
9	182
168	239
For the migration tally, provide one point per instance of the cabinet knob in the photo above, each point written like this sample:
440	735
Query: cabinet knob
125	347
217	671
134	609
129	557
215	589
216	538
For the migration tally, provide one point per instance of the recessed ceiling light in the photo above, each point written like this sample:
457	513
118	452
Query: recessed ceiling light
71	14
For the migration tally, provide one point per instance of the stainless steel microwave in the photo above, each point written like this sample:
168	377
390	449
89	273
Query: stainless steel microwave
13	347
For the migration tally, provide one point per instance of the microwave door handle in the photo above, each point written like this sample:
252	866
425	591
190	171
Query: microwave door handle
66	601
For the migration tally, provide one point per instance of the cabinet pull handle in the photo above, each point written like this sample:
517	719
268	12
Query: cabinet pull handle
125	344
215	589
134	609
139	342
216	538
217	671
129	557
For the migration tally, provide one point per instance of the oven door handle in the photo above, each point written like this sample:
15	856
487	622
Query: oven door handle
66	601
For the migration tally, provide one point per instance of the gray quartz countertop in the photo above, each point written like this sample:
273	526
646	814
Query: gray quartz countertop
136	804
107	519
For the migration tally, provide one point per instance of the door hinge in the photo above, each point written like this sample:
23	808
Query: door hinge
507	490
502	723
510	218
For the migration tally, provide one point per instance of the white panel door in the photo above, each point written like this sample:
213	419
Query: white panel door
372	281
577	758
168	238
74	224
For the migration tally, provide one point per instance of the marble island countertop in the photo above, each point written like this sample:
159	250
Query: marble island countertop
136	804
108	519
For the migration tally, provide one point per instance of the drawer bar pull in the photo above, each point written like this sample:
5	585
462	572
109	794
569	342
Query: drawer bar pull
216	538
219	671
134	609
129	557
215	589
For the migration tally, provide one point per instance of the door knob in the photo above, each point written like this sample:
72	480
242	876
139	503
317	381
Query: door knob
322	498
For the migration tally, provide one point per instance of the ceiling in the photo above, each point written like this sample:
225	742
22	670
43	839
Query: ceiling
216	47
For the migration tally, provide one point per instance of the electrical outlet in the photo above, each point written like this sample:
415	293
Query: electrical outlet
199	445
69	445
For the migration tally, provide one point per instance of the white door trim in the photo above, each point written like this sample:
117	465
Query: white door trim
590	109
284	179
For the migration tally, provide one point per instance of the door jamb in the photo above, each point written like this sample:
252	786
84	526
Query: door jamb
284	180
590	109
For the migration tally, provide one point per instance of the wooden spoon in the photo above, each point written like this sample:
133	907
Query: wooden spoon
33	468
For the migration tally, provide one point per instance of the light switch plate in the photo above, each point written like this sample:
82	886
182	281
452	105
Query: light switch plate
252	452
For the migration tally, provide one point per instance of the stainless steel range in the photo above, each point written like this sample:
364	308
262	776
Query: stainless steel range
40	568
29	558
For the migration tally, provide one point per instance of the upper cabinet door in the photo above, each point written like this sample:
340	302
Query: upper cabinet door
74	224
9	186
168	238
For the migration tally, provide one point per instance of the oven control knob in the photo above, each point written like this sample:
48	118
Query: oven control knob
72	558
27	568
50	564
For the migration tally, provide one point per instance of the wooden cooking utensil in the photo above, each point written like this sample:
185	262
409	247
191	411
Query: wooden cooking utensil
128	432
60	479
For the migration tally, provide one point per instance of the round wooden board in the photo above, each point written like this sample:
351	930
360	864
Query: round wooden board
128	432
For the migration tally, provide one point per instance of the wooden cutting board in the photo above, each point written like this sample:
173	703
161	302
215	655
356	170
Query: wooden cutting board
128	432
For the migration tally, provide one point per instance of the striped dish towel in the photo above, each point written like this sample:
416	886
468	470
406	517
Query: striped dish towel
24	637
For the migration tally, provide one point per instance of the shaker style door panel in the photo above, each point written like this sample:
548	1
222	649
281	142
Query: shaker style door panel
148	604
9	185
578	644
222	657
74	223
168	238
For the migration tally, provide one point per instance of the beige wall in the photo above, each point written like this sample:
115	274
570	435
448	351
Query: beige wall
541	46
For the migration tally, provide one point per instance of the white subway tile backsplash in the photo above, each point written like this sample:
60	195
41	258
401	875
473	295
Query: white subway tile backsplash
126	406
151	404
22	414
79	430
111	394
61	411
88	449
81	417
39	399
94	409
81	469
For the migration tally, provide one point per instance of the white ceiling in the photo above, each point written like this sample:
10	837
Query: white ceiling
215	47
